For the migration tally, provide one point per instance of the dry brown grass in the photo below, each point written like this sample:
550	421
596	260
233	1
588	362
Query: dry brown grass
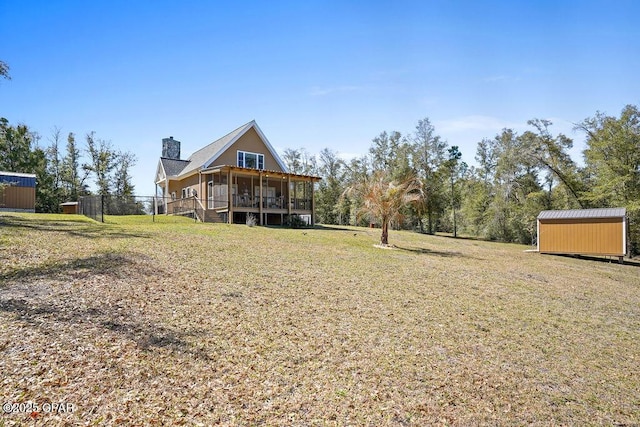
199	324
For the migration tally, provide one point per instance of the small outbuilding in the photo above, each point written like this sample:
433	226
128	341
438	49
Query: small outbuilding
17	192
583	232
69	207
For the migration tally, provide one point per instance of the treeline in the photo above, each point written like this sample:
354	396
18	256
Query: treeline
63	171
516	177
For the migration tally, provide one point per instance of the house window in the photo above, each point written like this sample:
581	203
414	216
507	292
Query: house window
250	160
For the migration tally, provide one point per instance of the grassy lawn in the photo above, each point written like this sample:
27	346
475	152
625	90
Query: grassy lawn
176	322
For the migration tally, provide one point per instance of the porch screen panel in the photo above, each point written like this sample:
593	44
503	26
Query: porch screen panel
220	196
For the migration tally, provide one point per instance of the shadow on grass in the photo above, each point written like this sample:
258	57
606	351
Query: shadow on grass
24	291
470	238
424	251
614	260
109	264
315	227
73	227
332	228
146	334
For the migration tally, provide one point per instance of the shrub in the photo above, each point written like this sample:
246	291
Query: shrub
294	221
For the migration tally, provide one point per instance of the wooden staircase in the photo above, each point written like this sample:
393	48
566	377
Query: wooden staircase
212	216
205	215
193	208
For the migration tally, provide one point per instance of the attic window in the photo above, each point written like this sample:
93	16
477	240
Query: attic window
250	160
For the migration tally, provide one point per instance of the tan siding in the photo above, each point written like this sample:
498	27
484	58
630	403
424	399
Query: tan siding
251	142
192	182
174	187
582	236
17	197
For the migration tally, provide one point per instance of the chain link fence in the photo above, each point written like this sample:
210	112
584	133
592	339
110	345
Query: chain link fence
169	210
100	208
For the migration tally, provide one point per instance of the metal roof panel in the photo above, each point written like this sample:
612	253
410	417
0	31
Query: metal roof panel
583	213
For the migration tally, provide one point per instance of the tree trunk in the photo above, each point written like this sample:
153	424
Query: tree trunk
455	228
453	208
384	238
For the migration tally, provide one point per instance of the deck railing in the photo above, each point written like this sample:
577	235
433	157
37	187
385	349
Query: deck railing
246	201
199	210
197	206
181	206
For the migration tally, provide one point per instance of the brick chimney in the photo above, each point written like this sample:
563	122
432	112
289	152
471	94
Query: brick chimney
171	148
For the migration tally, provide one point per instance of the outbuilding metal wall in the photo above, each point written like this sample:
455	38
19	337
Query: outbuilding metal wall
587	232
17	191
18	198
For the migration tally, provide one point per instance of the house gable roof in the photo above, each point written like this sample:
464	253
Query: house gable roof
204	157
173	167
169	168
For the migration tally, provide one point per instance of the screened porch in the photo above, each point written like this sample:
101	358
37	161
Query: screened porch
268	195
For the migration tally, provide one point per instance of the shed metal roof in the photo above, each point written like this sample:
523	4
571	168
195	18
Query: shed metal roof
584	213
18	179
22	175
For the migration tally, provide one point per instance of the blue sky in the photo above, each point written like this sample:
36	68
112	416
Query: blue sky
313	74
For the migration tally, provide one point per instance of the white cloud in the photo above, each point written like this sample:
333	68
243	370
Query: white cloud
474	123
348	156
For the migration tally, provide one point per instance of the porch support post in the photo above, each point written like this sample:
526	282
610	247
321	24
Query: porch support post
289	195
205	191
313	203
260	199
230	197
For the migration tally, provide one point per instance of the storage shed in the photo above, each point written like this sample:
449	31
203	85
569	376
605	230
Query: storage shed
17	192
583	232
69	207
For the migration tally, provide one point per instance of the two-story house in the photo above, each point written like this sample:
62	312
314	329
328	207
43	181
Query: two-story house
234	176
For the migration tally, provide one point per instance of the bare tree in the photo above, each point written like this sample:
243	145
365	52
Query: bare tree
103	161
4	70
